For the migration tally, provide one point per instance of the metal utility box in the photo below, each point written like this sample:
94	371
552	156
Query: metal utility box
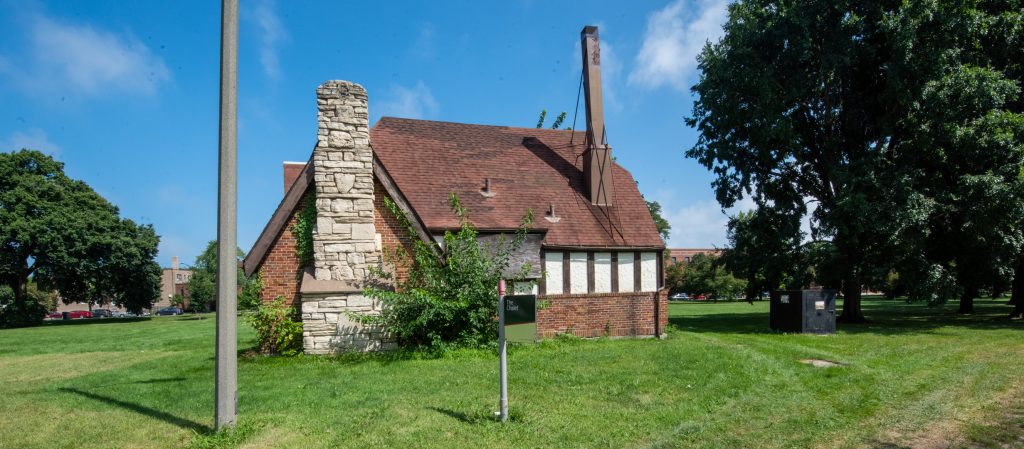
806	311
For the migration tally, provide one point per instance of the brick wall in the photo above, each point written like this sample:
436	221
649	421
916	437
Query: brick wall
392	235
281	270
600	314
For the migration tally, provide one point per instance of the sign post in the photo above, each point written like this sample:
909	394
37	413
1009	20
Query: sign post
503	403
502	360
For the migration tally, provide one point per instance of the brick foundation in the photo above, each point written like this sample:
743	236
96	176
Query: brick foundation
601	314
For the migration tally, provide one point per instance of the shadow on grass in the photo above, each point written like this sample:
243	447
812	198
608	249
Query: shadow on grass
478	417
161	380
86	321
887	317
143	410
457	415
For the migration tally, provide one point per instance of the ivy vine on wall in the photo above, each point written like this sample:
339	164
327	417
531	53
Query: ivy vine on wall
303	230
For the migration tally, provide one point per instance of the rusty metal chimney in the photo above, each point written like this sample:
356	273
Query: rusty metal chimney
597	157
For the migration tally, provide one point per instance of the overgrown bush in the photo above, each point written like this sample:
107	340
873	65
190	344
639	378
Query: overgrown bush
31	313
249	297
277	331
450	296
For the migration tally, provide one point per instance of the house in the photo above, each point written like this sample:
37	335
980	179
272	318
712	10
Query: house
594	251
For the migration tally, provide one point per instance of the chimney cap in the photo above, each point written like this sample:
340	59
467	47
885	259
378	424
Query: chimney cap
590	29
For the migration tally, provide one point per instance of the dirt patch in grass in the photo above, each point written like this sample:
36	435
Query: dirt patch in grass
819	363
997	426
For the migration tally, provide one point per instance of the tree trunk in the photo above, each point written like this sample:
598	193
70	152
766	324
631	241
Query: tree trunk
1017	287
851	301
20	288
967	301
1017	290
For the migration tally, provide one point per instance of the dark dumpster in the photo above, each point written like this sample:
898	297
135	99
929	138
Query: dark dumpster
805	311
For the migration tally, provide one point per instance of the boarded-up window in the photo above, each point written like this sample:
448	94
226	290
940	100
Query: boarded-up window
577	272
553	271
626	272
602	272
648	272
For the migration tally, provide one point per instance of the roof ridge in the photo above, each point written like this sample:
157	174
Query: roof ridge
445	122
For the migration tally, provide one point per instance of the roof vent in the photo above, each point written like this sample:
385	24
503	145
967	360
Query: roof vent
486	190
550	215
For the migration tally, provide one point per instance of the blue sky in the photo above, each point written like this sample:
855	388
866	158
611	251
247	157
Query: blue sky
126	93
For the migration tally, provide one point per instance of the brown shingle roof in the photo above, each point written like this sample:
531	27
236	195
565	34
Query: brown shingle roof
529	169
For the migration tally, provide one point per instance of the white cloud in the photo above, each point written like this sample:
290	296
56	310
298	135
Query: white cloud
698	225
33	139
424	45
272	34
673	40
82	59
416	102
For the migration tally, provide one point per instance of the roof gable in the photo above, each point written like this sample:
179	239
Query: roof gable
528	168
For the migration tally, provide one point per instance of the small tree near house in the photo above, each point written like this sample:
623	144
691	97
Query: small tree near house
449	296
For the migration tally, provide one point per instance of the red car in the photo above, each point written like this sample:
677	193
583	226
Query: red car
72	314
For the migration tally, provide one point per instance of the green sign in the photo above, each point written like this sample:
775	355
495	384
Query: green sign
521	318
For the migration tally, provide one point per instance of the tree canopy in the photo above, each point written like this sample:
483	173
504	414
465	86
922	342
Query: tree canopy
873	112
60	234
202	286
703	275
664	228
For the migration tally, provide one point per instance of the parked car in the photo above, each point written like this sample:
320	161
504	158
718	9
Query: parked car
55	316
678	296
166	311
102	313
700	297
79	314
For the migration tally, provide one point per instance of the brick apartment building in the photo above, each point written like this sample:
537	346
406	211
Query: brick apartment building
594	252
683	255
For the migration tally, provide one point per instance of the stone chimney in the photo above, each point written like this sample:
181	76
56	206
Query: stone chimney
174	263
344	241
597	157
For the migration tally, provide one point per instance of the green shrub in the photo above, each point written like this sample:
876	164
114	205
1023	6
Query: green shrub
449	300
249	297
277	331
31	313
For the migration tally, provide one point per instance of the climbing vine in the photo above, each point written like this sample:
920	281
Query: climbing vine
303	230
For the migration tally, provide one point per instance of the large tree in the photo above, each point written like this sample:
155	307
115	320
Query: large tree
815	101
764	250
202	286
59	233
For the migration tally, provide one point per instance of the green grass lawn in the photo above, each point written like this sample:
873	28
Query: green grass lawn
915	377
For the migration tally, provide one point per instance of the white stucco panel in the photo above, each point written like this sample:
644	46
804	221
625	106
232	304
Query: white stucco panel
577	272
602	272
553	273
648	272
626	283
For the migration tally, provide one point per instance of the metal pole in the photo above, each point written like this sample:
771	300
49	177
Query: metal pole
502	358
227	188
